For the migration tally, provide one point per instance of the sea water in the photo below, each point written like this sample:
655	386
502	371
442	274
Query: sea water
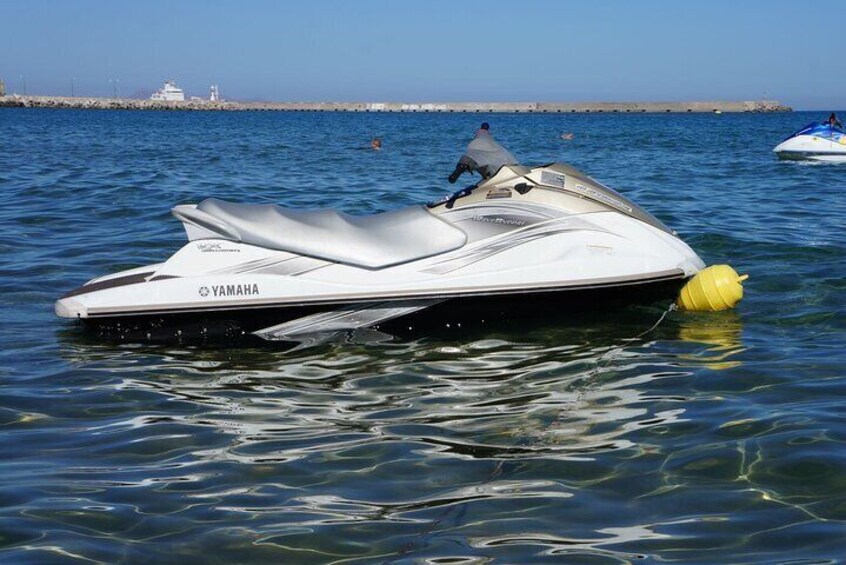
707	438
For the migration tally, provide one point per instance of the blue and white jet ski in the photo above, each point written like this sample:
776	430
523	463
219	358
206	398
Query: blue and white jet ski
814	142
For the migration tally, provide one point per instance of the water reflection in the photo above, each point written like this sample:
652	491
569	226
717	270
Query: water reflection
722	333
563	393
446	435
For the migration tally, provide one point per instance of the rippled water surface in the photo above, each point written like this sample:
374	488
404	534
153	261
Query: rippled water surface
709	438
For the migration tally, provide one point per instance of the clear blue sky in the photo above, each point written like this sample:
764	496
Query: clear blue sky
433	50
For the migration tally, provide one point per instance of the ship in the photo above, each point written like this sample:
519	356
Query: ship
169	92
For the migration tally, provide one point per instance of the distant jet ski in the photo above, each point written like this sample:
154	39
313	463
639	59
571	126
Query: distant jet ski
814	142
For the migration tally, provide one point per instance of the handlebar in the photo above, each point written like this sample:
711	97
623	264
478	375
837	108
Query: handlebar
460	168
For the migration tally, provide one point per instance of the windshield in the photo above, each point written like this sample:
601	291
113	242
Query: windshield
486	156
825	131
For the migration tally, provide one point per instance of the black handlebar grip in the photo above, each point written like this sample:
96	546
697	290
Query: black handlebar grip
459	168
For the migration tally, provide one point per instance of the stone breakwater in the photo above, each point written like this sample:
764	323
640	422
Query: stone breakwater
18	101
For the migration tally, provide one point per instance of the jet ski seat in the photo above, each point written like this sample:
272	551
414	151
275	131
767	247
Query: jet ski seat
375	241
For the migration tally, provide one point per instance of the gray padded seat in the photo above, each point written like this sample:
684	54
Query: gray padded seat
375	241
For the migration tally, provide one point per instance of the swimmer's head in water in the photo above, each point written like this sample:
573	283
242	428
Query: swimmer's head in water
485	126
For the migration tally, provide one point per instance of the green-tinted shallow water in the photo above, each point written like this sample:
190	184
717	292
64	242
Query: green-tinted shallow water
712	438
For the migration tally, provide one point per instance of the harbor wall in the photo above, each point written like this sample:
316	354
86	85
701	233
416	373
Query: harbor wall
461	107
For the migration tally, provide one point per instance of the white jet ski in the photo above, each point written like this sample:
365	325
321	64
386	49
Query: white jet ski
814	142
524	242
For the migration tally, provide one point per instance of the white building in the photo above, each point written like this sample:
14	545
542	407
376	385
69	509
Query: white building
169	92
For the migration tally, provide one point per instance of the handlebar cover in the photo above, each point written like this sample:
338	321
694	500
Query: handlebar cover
460	168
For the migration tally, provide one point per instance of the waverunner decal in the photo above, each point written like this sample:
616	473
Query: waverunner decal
216	248
498	220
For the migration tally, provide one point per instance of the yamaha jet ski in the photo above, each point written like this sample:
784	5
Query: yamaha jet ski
524	241
814	142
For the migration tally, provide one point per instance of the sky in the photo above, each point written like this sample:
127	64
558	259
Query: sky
431	51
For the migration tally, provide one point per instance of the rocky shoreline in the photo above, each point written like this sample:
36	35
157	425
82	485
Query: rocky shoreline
84	103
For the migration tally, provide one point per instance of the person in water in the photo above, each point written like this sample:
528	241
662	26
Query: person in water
376	144
484	129
833	121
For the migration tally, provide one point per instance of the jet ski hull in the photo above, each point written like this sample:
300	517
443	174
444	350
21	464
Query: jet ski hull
814	143
811	156
293	323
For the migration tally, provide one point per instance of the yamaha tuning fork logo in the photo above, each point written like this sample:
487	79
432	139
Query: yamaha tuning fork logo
221	290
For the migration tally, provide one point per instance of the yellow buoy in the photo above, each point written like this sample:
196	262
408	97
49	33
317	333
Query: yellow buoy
714	288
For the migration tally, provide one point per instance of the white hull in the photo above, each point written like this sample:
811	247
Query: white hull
572	258
812	148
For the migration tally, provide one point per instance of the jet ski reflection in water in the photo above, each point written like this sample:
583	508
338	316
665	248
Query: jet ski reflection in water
525	242
815	142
